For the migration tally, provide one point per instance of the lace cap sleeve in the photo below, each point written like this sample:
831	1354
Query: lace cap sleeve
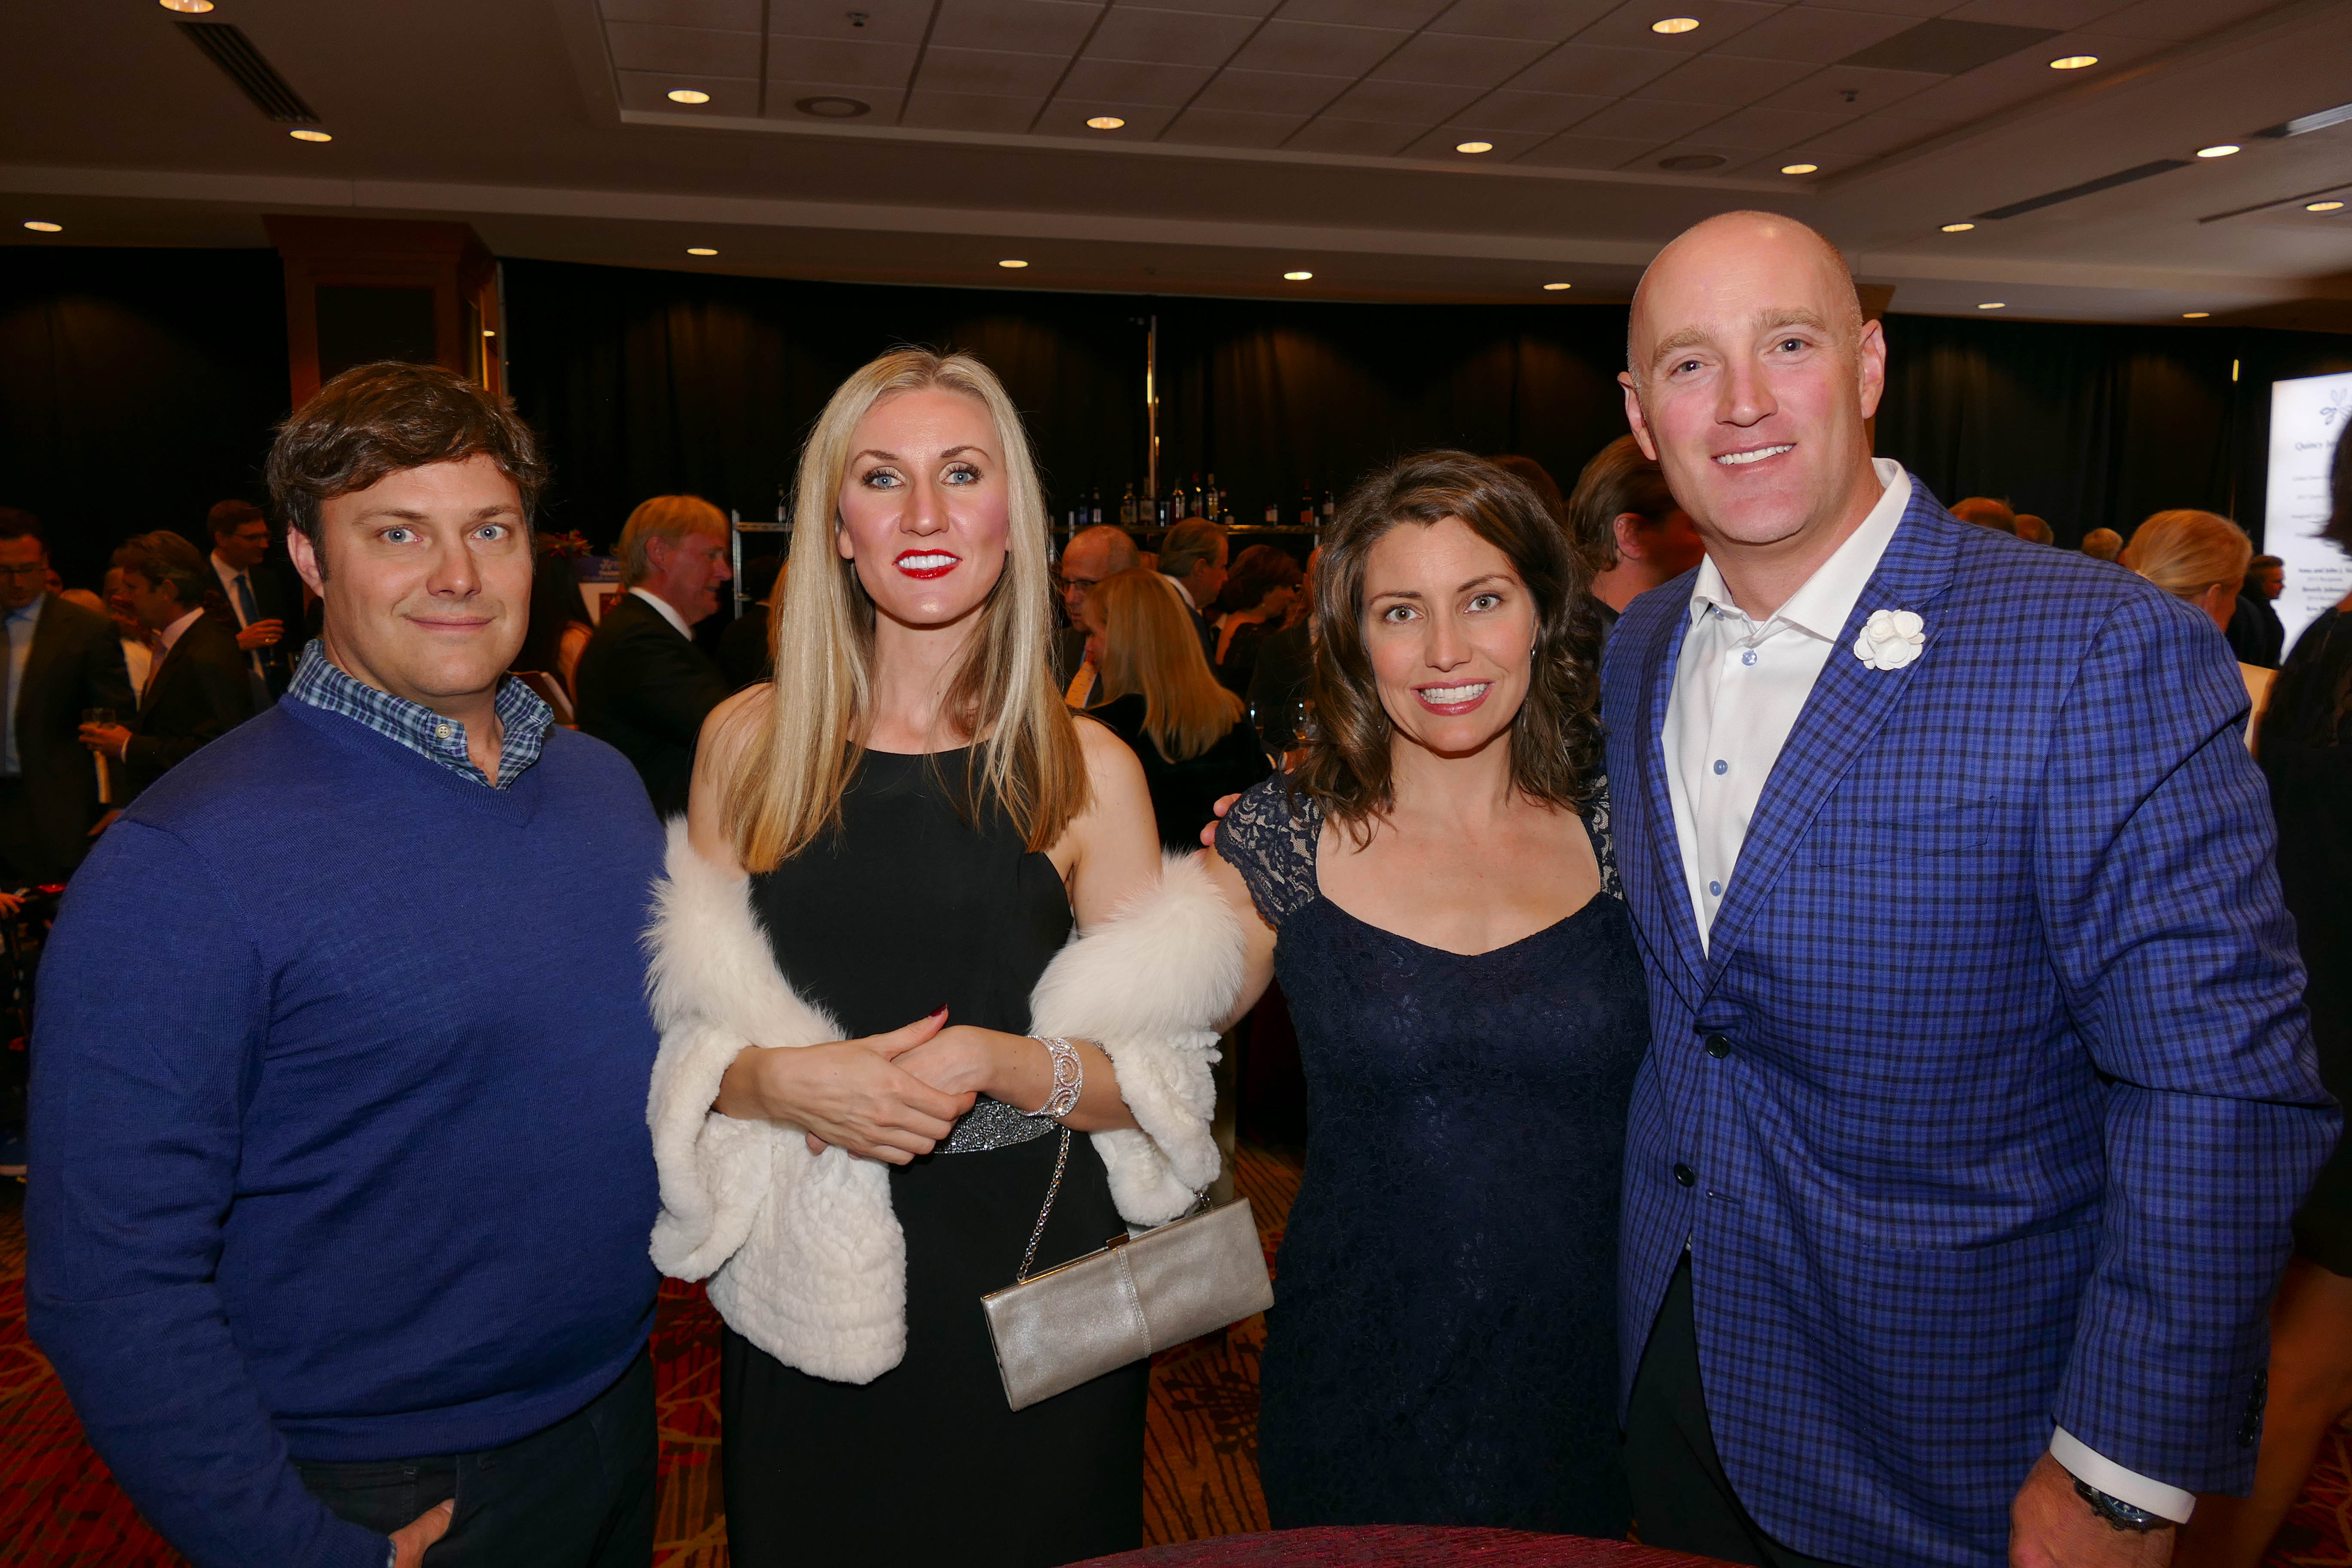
1604	843
1270	839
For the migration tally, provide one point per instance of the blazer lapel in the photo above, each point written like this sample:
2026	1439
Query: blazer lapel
38	660
158	670
1673	911
1849	704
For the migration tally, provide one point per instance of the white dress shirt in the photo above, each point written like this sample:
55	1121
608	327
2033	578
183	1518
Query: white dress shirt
668	611
1738	688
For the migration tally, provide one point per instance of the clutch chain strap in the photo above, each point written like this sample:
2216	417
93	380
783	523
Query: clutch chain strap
1029	1259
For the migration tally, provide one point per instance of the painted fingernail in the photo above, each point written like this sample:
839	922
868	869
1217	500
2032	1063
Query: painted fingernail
937	1012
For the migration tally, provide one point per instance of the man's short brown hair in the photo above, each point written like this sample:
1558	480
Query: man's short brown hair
228	516
375	420
164	557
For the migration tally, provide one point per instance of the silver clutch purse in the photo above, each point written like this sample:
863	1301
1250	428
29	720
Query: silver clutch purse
1139	1294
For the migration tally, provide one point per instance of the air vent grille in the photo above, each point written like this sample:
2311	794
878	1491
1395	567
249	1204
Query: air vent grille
225	45
2088	187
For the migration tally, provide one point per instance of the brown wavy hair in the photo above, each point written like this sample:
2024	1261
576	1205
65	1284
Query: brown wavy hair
1556	738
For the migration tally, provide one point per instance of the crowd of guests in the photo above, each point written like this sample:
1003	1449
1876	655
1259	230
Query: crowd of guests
1823	1045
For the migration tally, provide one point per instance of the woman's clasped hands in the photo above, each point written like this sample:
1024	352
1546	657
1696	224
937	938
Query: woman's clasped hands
887	1097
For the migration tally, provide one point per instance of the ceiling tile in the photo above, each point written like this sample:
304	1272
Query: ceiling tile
1369	138
1628	26
1605	73
1766	129
1253	9
1130	81
1852	88
1949	48
638	46
1223	128
1513	111
1271	93
2020	79
968	112
1440	144
833	59
1649	120
2034	13
1727	79
992	71
1825	164
1019	27
1068	116
1312	47
1522	18
784	98
2177	20
1364	13
1584	152
725	16
1811	33
887	21
1890	7
1875	134
1402	102
649	89
1459	59
1167	37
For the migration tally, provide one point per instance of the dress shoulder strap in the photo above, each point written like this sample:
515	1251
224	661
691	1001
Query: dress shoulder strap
1269	837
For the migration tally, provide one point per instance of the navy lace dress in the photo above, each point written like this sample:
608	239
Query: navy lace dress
1443	1345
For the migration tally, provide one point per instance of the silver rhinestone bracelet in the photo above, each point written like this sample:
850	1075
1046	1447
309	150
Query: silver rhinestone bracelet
1069	1079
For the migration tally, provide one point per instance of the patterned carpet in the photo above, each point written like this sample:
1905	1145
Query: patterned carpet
59	1509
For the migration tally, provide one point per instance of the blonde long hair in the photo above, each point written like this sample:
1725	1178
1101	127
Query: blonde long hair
1148	645
2186	553
786	785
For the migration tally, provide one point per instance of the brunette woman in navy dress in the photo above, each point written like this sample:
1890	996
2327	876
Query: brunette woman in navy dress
1436	890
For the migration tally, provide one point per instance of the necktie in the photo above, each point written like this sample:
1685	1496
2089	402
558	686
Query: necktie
247	611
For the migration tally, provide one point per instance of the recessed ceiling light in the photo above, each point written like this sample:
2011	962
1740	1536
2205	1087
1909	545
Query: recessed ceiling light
1104	123
2194	315
1675	25
701	250
1296	277
687	95
831	108
1473	146
305	134
1957	228
2072	62
1555	287
2218	150
1691	162
1994	305
2313	207
1800	168
188	7
1013	262
40	227
490	331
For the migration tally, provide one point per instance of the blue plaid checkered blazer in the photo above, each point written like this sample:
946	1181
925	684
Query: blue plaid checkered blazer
1994	1093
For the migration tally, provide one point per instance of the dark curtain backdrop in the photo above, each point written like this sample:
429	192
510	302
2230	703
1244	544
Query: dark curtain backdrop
137	387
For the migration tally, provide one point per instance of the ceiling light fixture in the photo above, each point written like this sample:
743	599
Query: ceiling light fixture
40	226
1800	168
1675	24
1556	287
829	107
701	250
2194	315
1957	228
305	134
2072	62
187	7
2218	150
1296	277
687	95
2312	207
1016	264
1994	305
1104	123
1473	146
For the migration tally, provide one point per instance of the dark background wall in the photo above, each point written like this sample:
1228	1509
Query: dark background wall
139	386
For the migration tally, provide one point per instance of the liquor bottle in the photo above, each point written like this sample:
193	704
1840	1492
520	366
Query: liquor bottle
1306	508
1331	509
1094	506
1212	503
1162	513
1127	507
1193	498
1273	514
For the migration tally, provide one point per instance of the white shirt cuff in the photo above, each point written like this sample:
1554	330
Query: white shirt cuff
2105	1475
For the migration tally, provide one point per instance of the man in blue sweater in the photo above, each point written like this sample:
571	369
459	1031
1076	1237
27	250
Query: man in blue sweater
338	1224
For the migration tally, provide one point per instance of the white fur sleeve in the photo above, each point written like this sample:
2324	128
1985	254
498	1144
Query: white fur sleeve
1150	986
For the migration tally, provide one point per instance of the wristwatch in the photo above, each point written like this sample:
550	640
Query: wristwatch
2119	1514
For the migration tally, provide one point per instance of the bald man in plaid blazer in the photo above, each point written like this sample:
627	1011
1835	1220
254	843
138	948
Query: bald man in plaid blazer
1958	1177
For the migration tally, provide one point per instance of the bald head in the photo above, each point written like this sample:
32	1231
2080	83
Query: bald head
1091	555
1702	249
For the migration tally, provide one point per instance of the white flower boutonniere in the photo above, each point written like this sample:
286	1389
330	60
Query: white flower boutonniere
1891	639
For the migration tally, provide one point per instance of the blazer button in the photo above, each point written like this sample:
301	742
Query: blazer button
1718	1046
1685	1174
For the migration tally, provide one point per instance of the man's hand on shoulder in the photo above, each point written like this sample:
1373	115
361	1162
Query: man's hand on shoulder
2051	1526
1209	834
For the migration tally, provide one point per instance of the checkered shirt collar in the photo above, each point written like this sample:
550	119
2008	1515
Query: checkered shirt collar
523	718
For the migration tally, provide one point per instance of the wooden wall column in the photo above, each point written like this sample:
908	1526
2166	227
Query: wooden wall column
375	270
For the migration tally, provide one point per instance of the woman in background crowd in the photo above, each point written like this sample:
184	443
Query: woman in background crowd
1436	890
2103	545
559	630
2200	559
1189	733
2306	753
1257	598
1628	524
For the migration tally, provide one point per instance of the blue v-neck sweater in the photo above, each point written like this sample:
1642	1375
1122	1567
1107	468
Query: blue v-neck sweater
338	1137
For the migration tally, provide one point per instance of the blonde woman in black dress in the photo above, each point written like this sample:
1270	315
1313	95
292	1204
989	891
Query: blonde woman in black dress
872	1023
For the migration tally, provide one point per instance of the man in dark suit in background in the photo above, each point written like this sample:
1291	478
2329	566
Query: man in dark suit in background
1193	555
259	608
645	687
62	660
198	689
743	656
2255	632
